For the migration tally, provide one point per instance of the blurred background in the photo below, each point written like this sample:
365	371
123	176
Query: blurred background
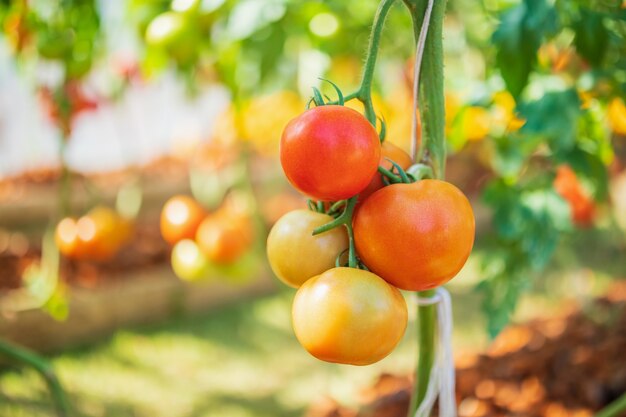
124	124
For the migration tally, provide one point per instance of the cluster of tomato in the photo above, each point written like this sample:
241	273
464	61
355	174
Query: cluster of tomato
206	244
96	236
397	233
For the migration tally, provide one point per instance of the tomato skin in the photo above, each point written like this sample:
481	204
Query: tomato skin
349	316
295	255
180	218
188	262
388	151
415	236
66	237
225	238
330	152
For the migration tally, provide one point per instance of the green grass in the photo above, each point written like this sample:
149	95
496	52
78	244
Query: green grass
244	360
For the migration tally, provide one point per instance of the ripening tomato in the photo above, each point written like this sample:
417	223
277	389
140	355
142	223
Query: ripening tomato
225	238
349	316
330	153
188	262
295	255
174	33
388	151
66	237
415	236
100	233
568	186
180	218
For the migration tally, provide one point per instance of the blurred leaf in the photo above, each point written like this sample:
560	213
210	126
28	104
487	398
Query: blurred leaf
553	118
592	37
129	199
518	37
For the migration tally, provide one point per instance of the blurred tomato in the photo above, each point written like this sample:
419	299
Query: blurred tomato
274	207
224	237
66	237
568	186
188	262
97	236
175	33
180	218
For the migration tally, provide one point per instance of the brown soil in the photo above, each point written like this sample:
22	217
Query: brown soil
568	366
147	248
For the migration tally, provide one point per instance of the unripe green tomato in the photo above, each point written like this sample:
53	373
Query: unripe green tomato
295	255
188	262
174	33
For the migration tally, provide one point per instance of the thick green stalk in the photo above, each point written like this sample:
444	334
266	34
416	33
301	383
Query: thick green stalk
365	90
432	149
615	409
43	367
432	152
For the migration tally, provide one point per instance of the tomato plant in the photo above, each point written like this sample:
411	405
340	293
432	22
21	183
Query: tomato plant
349	316
295	254
330	152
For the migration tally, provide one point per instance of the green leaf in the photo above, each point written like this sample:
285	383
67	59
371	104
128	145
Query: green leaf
592	36
553	118
518	37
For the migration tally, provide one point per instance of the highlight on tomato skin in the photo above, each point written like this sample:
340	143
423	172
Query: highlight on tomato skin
180	218
330	152
415	236
349	316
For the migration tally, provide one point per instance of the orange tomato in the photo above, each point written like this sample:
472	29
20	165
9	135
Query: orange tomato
568	186
100	234
180	218
225	238
66	237
415	236
388	151
349	316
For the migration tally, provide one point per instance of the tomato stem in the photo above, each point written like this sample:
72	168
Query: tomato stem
345	219
364	94
45	369
431	151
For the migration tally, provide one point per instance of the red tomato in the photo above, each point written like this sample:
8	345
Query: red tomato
415	236
582	205
388	151
180	218
330	153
